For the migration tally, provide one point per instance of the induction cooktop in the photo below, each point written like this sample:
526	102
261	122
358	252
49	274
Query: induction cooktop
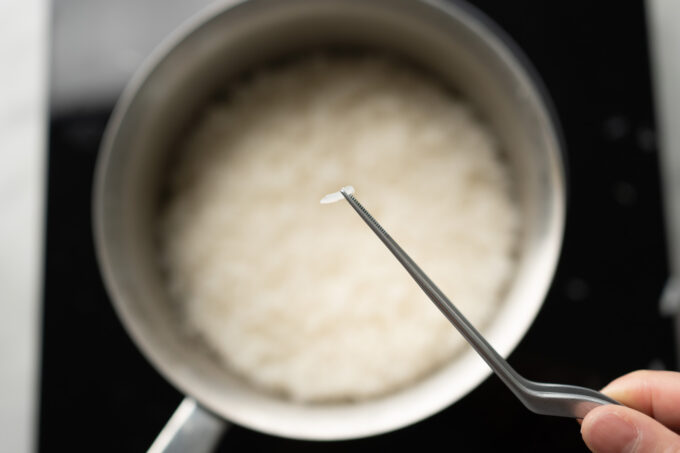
600	318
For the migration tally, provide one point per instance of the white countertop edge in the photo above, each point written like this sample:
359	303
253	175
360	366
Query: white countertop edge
663	17
23	125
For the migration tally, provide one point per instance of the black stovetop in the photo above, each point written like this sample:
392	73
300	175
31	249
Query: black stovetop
600	318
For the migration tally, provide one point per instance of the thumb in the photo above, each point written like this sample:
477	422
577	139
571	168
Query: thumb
610	429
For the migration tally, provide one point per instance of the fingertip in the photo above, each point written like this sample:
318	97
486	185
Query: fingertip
654	393
605	430
620	387
590	418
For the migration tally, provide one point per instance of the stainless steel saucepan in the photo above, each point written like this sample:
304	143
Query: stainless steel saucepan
449	39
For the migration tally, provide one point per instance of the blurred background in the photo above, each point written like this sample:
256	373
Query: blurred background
74	380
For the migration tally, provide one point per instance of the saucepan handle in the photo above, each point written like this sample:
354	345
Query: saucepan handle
191	428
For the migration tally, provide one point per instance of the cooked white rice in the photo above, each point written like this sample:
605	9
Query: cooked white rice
302	299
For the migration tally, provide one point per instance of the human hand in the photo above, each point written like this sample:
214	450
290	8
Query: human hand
649	422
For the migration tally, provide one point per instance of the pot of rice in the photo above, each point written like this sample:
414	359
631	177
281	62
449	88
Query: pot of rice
292	319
